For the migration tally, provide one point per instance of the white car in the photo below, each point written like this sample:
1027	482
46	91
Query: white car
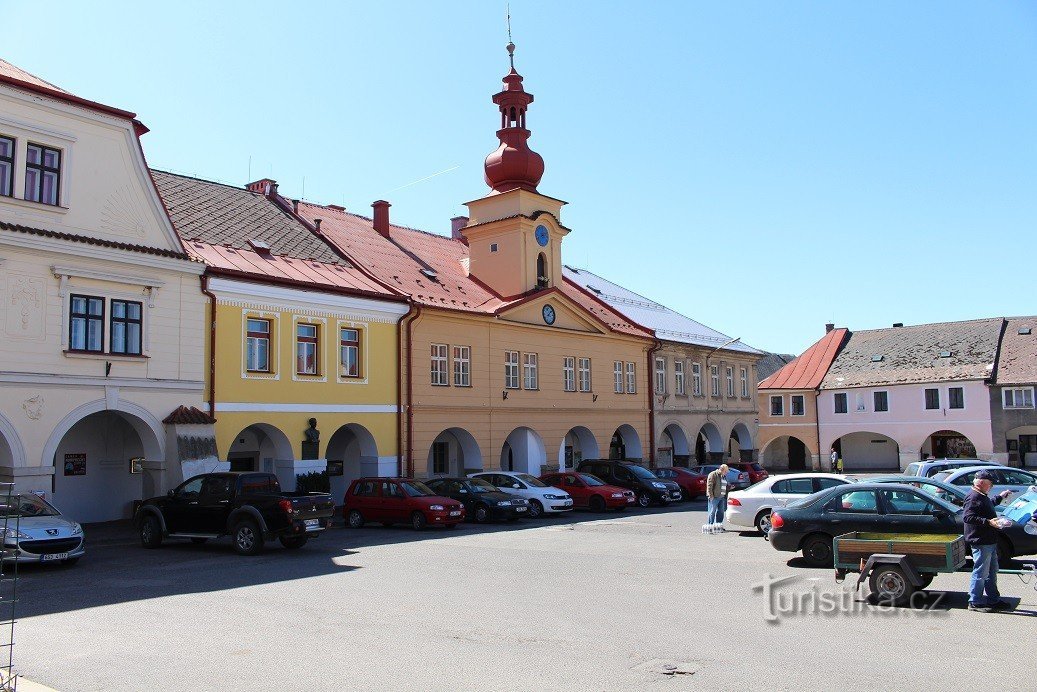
542	498
752	507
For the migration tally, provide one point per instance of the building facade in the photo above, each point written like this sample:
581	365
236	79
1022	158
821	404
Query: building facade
1013	416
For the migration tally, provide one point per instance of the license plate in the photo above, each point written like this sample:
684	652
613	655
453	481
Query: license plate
455	513
520	509
53	556
312	524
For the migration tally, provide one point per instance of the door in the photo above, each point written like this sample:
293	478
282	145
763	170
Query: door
789	489
181	510
365	500
910	511
853	510
575	487
797	455
214	504
393	503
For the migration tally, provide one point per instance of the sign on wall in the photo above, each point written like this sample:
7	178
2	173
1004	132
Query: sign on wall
137	465
336	467
75	464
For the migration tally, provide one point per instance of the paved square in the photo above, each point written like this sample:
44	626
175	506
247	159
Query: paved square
580	602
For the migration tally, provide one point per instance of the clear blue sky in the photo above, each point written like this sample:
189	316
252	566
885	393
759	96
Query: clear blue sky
762	167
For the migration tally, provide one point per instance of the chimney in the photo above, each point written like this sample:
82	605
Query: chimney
263	186
898	324
829	327
316	225
456	225
295	206
381	217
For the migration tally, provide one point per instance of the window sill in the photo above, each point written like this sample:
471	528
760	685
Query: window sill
94	355
435	384
36	206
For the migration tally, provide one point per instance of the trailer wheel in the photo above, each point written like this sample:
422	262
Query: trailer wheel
890	586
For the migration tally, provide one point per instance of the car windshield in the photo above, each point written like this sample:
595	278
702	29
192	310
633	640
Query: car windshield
28	505
531	480
591	480
478	485
417	489
641	472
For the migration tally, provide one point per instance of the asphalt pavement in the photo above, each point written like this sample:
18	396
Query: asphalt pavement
578	602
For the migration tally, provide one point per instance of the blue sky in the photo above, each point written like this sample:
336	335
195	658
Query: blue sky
762	167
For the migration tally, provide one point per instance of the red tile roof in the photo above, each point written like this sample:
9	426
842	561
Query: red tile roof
16	76
807	371
15	72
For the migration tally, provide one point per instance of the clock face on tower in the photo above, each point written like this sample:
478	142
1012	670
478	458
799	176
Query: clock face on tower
542	236
549	314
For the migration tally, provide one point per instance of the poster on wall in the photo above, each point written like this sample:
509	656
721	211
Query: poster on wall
336	467
75	464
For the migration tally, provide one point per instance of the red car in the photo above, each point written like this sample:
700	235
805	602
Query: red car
398	501
692	484
756	472
590	491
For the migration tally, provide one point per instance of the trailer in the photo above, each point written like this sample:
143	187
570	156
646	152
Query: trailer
897	565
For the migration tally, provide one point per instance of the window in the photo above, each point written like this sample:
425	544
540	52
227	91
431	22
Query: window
543	280
349	352
855	501
86	324
696	379
660	375
881	401
440	458
631	378
678	374
714	380
530	379
585	374
511	369
955	397
462	366
42	171
744	375
777	406
617	375
569	373
126	327
793	486
1018	398
366	488
6	166
438	367
797	402
730	375
257	345
306	349
840	402
932	398
905	502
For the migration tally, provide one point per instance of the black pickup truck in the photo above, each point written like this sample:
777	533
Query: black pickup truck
248	507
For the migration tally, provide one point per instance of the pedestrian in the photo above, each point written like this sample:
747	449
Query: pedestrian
835	460
716	498
981	529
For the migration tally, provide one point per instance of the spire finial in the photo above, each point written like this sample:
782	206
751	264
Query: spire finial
511	45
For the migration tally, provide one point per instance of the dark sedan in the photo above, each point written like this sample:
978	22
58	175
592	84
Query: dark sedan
810	524
482	501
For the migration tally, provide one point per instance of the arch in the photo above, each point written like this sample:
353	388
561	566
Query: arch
626	443
543	278
740	431
579	444
149	428
12	451
456	452
523	451
786	452
672	448
258	447
868	451
947	444
353	448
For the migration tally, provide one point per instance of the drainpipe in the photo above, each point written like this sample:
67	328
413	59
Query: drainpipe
817	427
411	317
651	402
212	344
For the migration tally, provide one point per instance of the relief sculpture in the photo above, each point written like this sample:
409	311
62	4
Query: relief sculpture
24	303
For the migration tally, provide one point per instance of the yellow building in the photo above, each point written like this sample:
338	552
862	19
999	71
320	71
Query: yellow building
297	332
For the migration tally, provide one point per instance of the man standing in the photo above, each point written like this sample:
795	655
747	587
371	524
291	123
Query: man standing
835	461
716	496
981	527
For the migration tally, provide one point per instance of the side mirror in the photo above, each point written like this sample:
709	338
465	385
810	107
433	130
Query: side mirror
170	493
463	491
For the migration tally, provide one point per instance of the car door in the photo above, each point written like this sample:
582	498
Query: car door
788	489
181	508
574	486
1012	479
851	510
393	503
365	500
214	504
910	511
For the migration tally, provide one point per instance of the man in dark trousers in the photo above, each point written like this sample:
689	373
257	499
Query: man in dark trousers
981	528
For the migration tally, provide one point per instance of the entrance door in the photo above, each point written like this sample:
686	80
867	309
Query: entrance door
617	450
797	455
507	458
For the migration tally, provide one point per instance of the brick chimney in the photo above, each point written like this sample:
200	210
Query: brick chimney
829	327
264	186
457	224
316	225
381	217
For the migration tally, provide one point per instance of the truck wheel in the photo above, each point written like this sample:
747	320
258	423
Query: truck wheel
889	585
247	539
418	521
355	519
597	503
293	542
150	532
817	550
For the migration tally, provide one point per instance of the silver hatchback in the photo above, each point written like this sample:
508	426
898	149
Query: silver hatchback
35	531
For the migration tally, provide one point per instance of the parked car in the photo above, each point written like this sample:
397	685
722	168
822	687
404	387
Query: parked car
542	498
647	487
37	532
251	508
482	501
931	467
1005	478
398	501
954	494
736	480
756	472
692	484
810	524
752	507
590	491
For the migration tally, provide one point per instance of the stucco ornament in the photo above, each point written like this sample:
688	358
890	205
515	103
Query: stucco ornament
33	407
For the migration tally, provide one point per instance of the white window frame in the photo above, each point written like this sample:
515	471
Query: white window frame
1022	397
617	376
304	343
462	357
678	377
511	370
631	378
274	352
714	380
530	373
584	374
781	405
439	375
660	375
729	376
696	379
362	363
569	374
803	405
744	374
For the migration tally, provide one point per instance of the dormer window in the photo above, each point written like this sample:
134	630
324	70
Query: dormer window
6	166
542	278
42	174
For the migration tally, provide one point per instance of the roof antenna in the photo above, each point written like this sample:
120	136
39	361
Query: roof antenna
511	46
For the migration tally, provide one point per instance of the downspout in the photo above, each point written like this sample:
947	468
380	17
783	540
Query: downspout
651	401
212	344
411	317
817	428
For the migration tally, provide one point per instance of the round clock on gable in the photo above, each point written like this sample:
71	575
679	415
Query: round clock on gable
542	236
549	314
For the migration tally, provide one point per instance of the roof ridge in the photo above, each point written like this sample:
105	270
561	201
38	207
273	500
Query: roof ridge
975	320
52	85
221	183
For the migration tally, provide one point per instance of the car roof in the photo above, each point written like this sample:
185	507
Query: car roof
967	469
866	485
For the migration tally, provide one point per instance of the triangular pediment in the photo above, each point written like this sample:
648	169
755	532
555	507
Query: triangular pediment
568	315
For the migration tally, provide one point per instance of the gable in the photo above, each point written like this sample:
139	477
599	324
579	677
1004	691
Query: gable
569	316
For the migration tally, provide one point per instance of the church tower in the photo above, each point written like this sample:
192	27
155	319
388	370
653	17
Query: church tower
515	233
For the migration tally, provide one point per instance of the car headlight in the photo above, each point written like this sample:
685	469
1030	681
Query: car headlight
77	530
437	508
504	503
617	495
554	497
659	485
11	533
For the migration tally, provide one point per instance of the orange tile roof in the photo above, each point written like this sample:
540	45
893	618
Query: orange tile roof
807	371
15	72
16	76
